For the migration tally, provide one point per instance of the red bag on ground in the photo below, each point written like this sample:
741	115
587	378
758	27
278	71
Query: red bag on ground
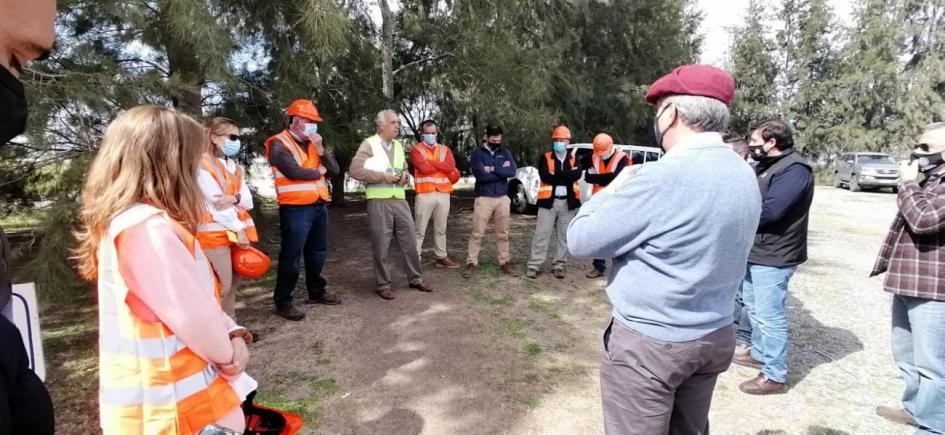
263	420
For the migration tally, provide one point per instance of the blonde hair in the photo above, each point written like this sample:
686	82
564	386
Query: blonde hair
217	126
150	155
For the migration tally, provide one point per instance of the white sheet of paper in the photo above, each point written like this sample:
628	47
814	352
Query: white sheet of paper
26	319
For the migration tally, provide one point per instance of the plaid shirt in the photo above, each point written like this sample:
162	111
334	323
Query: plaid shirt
913	254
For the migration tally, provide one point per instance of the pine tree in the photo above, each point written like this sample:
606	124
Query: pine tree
923	100
752	64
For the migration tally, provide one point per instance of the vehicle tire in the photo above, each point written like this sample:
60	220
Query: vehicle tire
854	186
836	180
517	198
894	189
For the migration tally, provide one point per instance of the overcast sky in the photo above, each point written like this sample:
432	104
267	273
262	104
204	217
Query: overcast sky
721	14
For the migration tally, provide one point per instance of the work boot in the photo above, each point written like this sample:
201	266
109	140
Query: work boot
747	361
324	299
447	263
420	286
470	270
506	268
594	273
531	273
558	273
386	293
760	386
897	415
290	313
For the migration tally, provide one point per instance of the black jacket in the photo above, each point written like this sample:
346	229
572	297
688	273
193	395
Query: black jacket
781	241
565	175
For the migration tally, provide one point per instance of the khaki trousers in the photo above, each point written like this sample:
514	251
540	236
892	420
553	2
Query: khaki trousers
554	220
390	219
222	263
437	206
651	386
497	210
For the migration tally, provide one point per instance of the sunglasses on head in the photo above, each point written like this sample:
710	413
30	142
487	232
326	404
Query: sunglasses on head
231	136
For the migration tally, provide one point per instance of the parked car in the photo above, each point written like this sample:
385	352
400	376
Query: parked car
523	189
860	171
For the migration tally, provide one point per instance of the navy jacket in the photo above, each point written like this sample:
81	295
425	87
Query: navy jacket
496	183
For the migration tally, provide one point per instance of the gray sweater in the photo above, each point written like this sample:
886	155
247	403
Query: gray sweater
679	231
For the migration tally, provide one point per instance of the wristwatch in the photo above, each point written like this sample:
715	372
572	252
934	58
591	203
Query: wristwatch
238	197
242	333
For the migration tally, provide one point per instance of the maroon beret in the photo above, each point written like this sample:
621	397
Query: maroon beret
699	80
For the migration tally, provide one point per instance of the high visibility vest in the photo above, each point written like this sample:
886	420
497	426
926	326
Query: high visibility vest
615	159
209	232
298	192
149	381
437	181
380	163
545	190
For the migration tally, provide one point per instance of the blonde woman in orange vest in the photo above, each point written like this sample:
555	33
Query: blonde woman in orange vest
433	165
559	197
606	163
223	184
170	360
301	165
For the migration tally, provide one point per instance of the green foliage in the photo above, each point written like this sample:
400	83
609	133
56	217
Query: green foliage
753	66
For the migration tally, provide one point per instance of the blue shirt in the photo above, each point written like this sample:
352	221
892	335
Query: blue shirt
495	183
679	231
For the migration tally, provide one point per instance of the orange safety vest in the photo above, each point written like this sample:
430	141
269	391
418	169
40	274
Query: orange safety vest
211	234
437	181
608	168
545	190
149	381
298	192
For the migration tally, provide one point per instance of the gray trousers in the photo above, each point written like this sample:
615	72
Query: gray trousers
390	219
551	221
653	387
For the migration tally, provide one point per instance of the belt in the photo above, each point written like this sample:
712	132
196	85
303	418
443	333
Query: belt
561	197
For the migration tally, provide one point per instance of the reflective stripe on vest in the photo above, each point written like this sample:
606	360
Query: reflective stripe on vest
298	192
437	181
615	159
380	160
211	234
545	190
149	381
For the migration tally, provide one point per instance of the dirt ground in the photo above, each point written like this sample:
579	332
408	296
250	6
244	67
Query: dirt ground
496	354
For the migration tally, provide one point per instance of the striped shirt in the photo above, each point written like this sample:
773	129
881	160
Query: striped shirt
913	254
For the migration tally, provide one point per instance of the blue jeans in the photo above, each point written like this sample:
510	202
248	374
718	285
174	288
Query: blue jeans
304	231
742	319
918	345
600	265
764	292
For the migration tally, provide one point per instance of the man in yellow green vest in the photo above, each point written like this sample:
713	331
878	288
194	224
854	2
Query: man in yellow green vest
381	165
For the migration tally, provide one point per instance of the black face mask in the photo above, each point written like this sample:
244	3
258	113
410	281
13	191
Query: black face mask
928	162
494	146
757	152
12	107
657	134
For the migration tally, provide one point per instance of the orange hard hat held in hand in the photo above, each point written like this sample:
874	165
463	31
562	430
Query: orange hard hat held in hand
250	262
603	143
561	132
305	109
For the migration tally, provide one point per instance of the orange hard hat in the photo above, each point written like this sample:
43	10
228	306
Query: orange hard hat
603	143
453	176
561	132
305	109
250	262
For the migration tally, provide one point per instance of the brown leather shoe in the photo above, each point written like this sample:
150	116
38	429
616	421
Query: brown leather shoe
470	270
386	293
506	268
447	263
325	299
290	313
747	361
422	287
897	415
761	386
743	350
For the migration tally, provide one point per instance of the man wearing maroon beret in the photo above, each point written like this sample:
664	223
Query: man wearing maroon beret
676	267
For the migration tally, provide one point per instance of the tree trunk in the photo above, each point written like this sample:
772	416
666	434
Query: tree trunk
387	50
338	189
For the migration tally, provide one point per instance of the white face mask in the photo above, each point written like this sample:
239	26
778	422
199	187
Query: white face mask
310	128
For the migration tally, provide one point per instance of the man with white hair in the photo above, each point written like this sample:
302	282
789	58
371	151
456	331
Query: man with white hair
677	266
381	165
913	256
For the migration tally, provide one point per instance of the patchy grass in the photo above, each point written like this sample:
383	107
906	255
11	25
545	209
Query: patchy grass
516	327
533	349
21	220
530	402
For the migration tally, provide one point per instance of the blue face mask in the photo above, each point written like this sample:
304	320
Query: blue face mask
310	129
560	147
429	139
231	148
